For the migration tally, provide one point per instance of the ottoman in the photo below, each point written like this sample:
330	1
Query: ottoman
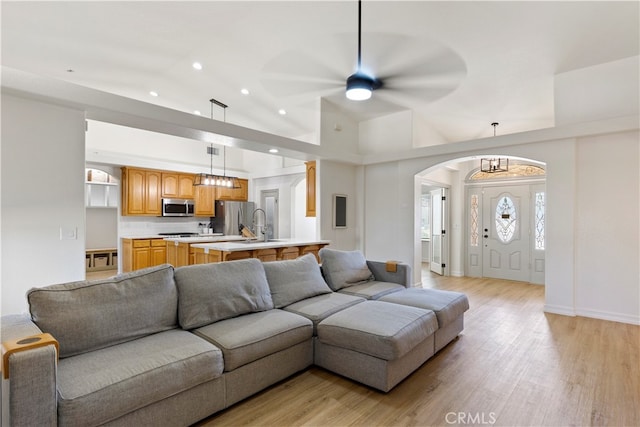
376	343
448	306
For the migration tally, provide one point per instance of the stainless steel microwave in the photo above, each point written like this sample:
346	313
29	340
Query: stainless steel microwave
178	207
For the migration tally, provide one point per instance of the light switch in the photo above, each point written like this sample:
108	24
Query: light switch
68	233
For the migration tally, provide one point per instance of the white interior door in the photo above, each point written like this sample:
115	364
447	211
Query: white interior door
437	262
505	233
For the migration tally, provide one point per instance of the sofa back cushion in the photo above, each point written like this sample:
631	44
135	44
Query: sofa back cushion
86	316
344	268
294	280
218	291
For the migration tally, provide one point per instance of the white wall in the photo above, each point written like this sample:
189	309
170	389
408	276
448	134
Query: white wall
102	228
607	232
598	92
42	192
304	227
389	133
338	178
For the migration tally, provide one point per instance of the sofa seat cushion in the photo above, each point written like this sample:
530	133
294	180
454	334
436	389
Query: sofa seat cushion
447	305
85	316
373	289
342	269
99	386
293	280
253	336
218	291
380	329
320	307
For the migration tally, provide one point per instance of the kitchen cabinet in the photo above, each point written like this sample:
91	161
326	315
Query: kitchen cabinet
238	194
177	185
141	192
205	198
179	254
143	253
311	188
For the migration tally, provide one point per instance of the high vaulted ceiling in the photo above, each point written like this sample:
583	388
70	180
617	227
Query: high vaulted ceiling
459	66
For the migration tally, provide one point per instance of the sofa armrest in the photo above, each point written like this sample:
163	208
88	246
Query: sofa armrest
401	276
29	395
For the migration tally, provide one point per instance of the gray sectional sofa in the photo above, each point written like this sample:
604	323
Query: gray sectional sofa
170	347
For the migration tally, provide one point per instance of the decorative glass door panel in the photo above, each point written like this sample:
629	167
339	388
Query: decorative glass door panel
505	236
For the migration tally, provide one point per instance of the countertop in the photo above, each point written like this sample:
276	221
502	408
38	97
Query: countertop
253	245
204	239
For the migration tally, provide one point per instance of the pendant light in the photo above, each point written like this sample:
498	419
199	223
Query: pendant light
494	165
210	179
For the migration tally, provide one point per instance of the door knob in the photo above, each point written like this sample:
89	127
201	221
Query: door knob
486	236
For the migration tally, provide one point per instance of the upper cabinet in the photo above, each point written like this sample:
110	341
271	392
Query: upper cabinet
177	185
144	189
141	192
311	188
238	194
205	198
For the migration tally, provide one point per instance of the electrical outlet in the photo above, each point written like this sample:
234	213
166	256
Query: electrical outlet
68	233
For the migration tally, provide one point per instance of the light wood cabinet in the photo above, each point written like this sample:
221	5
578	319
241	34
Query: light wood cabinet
177	185
311	188
142	253
180	254
142	192
238	194
205	200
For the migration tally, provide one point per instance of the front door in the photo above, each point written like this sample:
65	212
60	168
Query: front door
505	232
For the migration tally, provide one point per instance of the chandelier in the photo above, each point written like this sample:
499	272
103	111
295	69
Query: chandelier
211	179
493	165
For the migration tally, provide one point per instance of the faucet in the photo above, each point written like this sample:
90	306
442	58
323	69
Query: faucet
256	226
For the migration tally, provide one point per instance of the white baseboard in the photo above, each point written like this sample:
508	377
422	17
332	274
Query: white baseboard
605	315
594	314
559	309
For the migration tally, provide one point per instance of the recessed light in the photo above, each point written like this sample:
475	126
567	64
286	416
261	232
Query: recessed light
197	65
282	111
70	70
244	91
273	150
153	93
197	112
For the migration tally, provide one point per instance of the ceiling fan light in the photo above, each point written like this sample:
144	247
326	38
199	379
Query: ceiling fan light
359	87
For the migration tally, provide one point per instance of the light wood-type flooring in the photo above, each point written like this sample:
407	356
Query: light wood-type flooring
513	365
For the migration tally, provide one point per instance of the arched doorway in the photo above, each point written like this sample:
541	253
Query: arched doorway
477	202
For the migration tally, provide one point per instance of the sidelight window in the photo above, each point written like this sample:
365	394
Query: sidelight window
474	234
539	221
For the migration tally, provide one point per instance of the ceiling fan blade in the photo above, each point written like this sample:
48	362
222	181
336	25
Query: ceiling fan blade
294	72
283	87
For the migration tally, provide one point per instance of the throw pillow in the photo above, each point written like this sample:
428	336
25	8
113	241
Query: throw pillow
218	291
344	268
86	316
294	280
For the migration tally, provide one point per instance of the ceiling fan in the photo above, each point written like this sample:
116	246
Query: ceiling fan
404	68
359	85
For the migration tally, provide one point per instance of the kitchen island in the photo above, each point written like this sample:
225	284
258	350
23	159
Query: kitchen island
180	251
273	250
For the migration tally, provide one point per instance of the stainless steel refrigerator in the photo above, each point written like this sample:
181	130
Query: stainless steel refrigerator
230	215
